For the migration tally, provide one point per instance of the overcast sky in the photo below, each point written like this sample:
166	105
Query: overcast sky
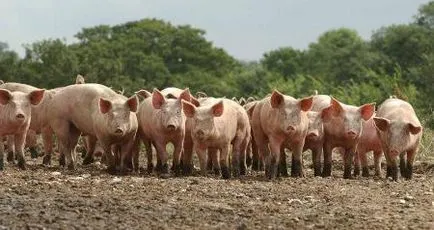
244	28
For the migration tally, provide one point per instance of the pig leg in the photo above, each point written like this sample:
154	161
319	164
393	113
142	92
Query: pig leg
392	168
238	158
224	154
283	168
357	159
135	153
249	156
213	152
31	143
377	163
297	160
187	154
209	162
20	141
316	160
348	161
403	165
202	155
11	148
243	156
47	139
273	159
2	150
90	142
71	156
327	169
256	161
179	145
363	158
410	160
163	156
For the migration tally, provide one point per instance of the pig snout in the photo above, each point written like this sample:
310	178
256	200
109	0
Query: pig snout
20	116
290	128
119	131
394	153
312	134
352	134
200	134
171	127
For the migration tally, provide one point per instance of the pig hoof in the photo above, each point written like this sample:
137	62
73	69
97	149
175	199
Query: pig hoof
236	172
46	160
225	172
347	174
356	171
10	157
187	169
243	170
71	166
22	164
2	164
327	171
365	172
33	153
165	168
176	170
62	161
88	160
164	175
150	168
217	171
296	170
83	154
248	161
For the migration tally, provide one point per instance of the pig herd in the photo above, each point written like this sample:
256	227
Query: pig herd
228	135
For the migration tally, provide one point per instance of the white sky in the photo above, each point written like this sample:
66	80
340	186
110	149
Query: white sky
244	28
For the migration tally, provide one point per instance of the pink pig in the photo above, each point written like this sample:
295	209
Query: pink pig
281	121
216	125
161	120
99	112
15	113
342	128
400	132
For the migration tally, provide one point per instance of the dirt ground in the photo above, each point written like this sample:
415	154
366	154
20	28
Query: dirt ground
88	198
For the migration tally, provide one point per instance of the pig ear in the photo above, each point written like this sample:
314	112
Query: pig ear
5	96
79	79
217	109
132	103
36	96
336	106
367	110
194	101
250	109
144	93
185	95
157	99
104	105
381	123
277	99
414	129
189	109
306	103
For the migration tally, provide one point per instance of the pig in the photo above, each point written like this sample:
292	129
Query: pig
278	120
37	123
186	161
400	132
15	113
98	112
369	141
342	128
315	133
217	124
161	120
255	160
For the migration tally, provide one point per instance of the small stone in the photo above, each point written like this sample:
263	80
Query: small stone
291	201
56	173
402	201
116	180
